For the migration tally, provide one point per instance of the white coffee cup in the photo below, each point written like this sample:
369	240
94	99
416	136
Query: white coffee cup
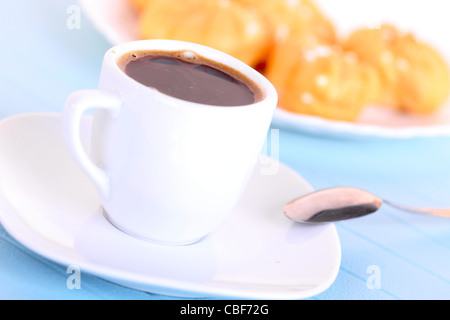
167	170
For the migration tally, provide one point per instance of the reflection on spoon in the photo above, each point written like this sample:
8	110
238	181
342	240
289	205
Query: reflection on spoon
343	203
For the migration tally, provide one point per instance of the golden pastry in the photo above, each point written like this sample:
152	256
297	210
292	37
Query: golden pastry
138	5
221	24
414	76
292	17
316	78
423	80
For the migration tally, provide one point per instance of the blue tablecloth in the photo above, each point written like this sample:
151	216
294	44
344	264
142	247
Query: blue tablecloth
43	61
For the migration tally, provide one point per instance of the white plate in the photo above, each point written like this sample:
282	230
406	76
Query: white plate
376	122
116	20
49	205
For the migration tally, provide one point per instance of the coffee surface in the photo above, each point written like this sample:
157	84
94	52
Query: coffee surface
189	77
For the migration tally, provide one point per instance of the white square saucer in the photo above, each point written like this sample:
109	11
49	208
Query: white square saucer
50	206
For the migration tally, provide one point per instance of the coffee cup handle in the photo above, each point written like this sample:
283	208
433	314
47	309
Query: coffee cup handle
76	105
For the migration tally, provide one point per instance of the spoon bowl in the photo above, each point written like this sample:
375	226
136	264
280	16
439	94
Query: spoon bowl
343	203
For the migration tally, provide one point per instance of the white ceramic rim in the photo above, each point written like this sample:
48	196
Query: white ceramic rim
112	56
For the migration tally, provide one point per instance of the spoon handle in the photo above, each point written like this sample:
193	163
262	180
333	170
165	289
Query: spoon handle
441	212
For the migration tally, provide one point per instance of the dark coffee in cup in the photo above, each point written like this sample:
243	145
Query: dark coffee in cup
186	75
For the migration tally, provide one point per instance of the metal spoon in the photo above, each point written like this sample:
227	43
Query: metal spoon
343	203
